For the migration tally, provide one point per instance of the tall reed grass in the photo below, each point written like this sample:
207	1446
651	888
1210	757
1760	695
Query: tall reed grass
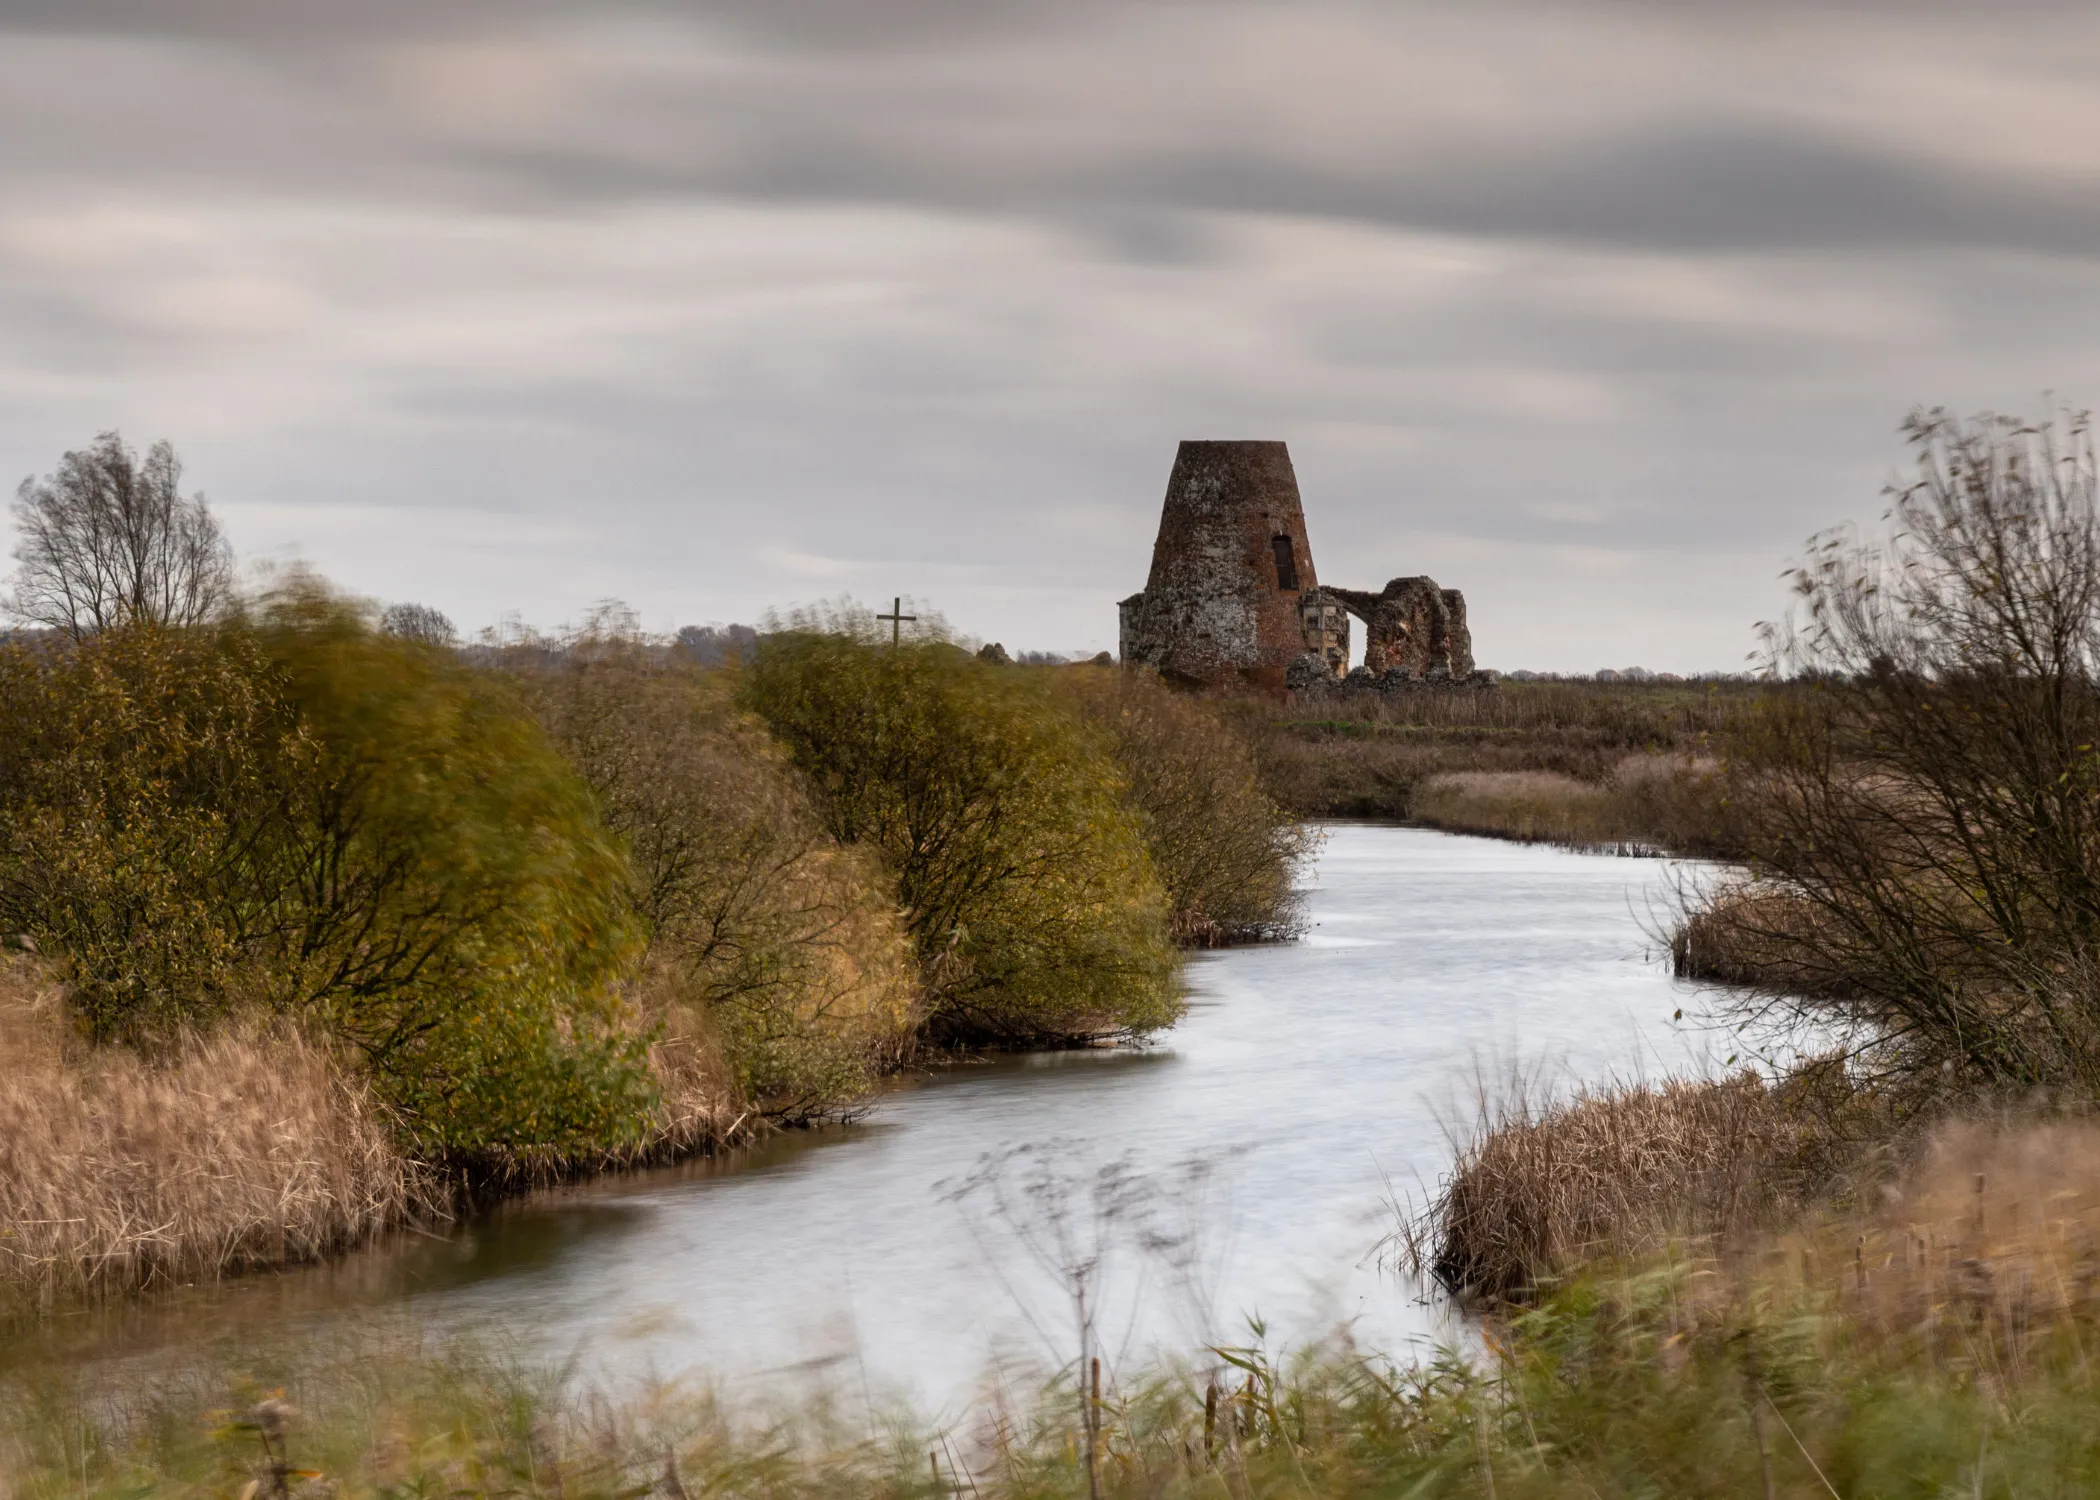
246	1148
1585	763
1540	1186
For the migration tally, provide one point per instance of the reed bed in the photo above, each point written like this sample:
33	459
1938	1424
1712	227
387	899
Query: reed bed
1758	935
1646	804
1374	755
1622	1171
1531	806
242	1149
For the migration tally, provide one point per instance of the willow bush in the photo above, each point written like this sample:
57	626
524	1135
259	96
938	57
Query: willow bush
1226	853
290	812
131	773
768	940
1031	904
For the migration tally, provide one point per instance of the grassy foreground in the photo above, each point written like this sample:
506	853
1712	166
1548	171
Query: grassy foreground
1939	1343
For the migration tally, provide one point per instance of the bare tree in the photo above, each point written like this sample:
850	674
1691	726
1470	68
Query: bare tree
419	622
1923	804
109	540
718	645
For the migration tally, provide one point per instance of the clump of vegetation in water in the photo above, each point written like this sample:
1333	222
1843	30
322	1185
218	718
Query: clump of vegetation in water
1032	906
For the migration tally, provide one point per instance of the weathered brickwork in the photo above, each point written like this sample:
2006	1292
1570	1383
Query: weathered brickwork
1233	600
1413	625
1220	606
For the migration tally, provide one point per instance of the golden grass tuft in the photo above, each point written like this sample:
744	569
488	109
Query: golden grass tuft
1645	803
1535	806
1621	1172
239	1150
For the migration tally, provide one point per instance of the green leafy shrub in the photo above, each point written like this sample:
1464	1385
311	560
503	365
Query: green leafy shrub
1028	896
132	773
1227	855
766	937
294	813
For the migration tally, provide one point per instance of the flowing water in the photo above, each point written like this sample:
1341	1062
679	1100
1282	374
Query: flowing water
1309	1085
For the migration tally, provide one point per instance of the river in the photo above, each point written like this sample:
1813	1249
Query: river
1309	1084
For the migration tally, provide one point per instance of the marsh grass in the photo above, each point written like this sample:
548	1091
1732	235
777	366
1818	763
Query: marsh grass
244	1149
1645	805
1540	1186
1593	765
1532	806
1932	1342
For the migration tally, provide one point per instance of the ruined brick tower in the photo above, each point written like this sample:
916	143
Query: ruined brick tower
1232	600
1221	605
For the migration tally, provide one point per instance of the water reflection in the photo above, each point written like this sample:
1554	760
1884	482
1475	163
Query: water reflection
1309	1078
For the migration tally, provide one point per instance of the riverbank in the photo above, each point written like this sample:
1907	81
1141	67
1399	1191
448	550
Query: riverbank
1933	1345
334	926
838	1249
246	1149
250	1148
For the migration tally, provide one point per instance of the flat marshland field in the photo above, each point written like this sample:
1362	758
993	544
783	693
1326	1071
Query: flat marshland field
1577	762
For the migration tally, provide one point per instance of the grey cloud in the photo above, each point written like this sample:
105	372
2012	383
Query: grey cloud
958	117
714	306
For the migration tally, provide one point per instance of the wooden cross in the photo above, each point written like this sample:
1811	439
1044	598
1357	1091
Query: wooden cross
897	617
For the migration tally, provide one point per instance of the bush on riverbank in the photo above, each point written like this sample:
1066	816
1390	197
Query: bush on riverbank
1032	907
291	815
1226	854
1920	811
767	940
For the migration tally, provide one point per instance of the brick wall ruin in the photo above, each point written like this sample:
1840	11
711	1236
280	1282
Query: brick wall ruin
1414	626
1233	600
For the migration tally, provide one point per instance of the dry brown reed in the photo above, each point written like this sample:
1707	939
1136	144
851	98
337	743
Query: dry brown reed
1753	933
1978	1256
1646	804
1534	806
1623	1171
117	1172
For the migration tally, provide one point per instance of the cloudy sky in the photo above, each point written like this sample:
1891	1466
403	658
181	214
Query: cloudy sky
1592	308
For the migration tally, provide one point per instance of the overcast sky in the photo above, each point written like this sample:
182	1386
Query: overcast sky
1594	309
